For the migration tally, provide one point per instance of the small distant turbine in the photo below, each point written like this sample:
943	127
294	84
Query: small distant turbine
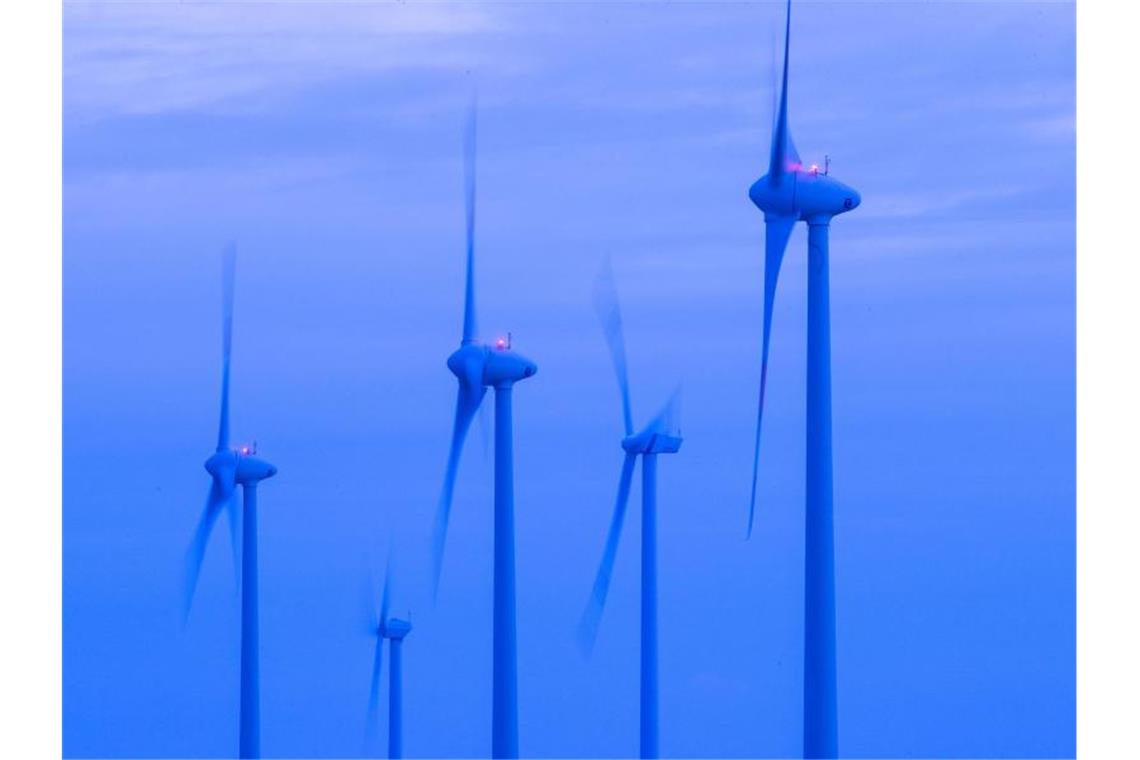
478	366
788	194
228	469
658	437
393	630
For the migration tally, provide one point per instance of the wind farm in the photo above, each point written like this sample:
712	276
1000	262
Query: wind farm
888	390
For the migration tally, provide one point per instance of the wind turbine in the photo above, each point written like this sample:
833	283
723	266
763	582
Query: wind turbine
789	193
394	630
655	438
229	468
477	366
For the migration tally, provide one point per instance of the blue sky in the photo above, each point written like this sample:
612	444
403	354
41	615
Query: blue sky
326	140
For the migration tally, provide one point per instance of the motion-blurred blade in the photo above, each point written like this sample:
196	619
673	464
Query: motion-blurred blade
784	156
197	549
229	261
588	627
777	232
466	405
668	420
609	312
374	691
469	326
370	614
385	595
485	430
233	517
774	83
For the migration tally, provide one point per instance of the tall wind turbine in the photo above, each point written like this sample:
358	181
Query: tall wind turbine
787	194
655	438
228	469
477	366
393	630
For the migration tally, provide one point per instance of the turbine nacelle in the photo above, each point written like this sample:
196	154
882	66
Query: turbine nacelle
395	628
251	469
818	195
806	195
230	467
649	442
505	367
477	365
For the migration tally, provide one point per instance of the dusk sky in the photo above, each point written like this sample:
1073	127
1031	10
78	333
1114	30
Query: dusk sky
326	142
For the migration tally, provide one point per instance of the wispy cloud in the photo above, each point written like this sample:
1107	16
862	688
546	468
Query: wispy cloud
935	202
149	58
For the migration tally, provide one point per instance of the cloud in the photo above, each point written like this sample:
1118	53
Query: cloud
150	58
1053	128
912	204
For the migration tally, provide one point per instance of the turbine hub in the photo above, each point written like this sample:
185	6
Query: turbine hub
221	465
777	197
466	363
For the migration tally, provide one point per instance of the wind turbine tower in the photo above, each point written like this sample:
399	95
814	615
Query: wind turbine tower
393	630
787	194
478	366
250	471
229	468
658	437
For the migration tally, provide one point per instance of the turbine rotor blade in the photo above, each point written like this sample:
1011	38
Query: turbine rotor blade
668	419
466	405
485	430
384	596
197	549
229	261
777	232
233	518
374	690
783	155
775	86
370	622
588	626
469	326
609	313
